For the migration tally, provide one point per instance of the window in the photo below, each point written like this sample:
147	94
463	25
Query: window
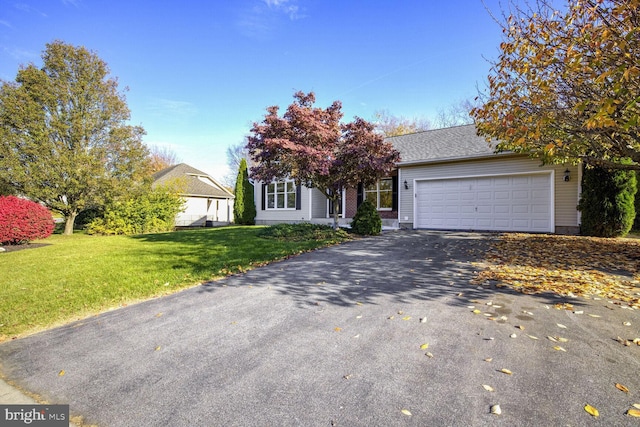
380	194
281	195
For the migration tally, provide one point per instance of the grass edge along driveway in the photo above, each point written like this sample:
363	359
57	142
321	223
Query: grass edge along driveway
73	277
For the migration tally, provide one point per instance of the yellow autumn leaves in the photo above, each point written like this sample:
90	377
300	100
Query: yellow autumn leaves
567	265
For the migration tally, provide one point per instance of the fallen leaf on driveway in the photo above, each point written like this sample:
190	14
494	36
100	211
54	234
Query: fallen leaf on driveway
61	373
561	326
506	371
406	318
557	347
636	405
495	409
429	355
488	359
591	410
406	412
532	337
424	346
622	388
487	387
337	329
633	413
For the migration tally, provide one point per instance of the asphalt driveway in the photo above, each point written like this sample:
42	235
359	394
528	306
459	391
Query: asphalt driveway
338	337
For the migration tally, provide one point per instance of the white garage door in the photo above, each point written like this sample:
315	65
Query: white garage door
500	203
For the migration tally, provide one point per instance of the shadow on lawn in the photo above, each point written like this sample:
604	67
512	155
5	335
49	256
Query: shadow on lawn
409	266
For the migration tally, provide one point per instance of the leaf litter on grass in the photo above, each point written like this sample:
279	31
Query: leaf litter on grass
589	267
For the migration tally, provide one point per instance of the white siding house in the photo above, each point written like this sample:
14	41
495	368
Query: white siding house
207	202
452	179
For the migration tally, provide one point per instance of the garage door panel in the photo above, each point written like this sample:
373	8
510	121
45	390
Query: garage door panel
504	203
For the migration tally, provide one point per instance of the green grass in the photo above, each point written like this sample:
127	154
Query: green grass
76	276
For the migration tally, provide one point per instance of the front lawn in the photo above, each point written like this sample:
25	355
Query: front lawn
75	276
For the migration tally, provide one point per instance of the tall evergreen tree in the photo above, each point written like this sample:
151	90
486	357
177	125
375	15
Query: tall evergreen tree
244	208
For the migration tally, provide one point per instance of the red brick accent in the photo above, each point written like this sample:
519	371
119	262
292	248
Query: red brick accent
351	207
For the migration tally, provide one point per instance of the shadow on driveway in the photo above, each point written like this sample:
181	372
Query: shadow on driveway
337	337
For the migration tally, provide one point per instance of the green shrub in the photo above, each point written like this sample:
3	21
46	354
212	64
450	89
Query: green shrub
607	202
151	212
366	221
303	232
244	208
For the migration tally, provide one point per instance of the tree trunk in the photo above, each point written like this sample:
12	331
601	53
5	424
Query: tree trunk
336	215
68	225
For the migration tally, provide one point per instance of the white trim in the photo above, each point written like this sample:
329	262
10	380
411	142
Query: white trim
579	213
310	195
552	194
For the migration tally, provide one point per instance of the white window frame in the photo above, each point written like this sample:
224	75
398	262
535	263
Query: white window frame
284	195
370	190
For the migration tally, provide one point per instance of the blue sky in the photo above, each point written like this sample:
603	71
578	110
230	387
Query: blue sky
200	72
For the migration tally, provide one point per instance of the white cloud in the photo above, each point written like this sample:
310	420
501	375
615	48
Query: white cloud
22	55
262	18
29	9
171	108
6	24
287	7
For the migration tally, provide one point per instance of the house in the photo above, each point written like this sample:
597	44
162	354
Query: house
207	202
449	179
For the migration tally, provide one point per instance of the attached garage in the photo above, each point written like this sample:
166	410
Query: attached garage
452	179
517	202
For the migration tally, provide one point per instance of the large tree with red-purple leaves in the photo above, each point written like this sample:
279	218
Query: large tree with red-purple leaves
311	146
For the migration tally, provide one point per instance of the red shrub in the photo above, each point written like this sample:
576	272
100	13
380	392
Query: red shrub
22	220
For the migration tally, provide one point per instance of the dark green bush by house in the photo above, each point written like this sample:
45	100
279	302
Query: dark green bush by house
607	202
151	212
244	208
366	221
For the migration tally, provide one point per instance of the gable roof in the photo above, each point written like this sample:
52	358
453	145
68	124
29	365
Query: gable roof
195	186
447	144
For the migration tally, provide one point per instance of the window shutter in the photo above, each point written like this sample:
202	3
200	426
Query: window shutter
298	197
394	193
264	196
360	196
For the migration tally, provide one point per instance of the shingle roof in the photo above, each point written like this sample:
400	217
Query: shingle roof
454	143
194	186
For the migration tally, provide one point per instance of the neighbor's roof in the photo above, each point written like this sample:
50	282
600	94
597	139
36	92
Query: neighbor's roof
448	144
194	185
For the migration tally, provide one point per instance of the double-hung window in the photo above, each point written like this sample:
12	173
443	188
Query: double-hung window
380	194
281	195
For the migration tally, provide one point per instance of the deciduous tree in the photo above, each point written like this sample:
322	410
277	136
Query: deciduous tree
566	86
311	146
65	138
161	158
390	125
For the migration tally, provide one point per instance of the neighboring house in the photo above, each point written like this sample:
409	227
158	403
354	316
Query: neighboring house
449	179
207	202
